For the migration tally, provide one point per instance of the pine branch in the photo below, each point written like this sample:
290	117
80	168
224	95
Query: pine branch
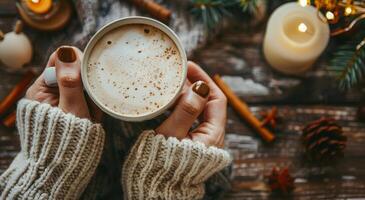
348	64
212	12
249	6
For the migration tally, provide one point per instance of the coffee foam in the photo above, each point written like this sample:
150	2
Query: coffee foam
135	70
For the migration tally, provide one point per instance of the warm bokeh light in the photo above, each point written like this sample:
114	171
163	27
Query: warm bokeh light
302	27
348	10
39	6
303	2
330	15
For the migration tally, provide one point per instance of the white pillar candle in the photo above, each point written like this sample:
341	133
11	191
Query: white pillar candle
295	37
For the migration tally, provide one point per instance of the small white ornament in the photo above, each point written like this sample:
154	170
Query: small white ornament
15	48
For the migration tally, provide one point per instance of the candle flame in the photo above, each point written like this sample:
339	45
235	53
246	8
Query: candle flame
302	27
303	3
330	15
35	1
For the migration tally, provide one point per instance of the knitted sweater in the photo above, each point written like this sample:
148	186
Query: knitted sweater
60	152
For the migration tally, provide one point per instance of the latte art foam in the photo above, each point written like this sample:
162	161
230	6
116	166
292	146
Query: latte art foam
135	70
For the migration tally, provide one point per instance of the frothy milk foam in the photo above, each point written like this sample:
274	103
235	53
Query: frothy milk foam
135	70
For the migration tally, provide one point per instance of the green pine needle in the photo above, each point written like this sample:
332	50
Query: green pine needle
212	12
249	5
348	64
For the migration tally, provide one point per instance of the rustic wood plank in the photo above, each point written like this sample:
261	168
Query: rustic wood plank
9	147
237	53
253	159
7	8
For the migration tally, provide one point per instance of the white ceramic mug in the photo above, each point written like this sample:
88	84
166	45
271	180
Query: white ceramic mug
50	72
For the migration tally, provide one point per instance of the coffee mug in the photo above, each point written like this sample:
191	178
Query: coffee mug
134	22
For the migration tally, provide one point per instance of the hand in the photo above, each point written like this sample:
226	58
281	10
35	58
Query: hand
201	96
69	95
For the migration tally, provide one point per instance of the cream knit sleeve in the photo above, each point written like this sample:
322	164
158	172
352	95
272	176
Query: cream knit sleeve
159	168
59	154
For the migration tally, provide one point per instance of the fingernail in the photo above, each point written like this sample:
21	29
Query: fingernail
201	88
66	54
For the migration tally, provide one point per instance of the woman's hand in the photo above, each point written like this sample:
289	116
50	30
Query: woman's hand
69	95
201	96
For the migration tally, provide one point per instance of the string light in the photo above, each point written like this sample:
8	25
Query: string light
348	11
36	1
336	7
336	10
330	15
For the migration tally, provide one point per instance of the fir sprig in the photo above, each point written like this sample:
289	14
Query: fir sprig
348	63
248	5
212	12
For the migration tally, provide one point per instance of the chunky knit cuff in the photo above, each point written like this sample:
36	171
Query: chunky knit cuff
159	168
59	154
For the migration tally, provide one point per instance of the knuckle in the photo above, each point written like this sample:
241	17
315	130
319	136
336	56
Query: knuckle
224	98
32	92
29	92
39	96
210	141
221	95
190	108
70	80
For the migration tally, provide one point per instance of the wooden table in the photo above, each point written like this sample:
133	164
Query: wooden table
236	54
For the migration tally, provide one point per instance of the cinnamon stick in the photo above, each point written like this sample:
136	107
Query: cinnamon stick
9	121
270	117
18	27
242	109
1	35
154	9
16	92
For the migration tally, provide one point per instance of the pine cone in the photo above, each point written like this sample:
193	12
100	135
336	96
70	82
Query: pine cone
323	140
280	181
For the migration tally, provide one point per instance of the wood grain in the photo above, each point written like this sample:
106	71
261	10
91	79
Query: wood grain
236	52
253	159
7	8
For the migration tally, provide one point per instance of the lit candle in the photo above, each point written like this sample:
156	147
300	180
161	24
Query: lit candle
295	37
39	6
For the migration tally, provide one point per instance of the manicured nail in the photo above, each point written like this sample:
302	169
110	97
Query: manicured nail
66	54
201	88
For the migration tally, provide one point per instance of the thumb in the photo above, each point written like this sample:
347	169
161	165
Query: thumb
187	110
68	72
